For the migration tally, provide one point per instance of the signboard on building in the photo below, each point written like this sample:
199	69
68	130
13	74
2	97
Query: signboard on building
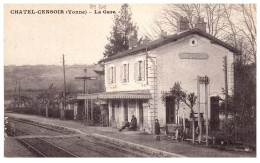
193	56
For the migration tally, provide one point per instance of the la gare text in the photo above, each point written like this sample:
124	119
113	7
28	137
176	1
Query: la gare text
82	12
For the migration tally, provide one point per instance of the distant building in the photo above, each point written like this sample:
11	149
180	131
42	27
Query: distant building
136	79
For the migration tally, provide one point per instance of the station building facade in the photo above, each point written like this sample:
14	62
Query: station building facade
136	79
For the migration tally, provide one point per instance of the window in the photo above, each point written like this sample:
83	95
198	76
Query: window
140	70
111	76
193	42
140	75
125	72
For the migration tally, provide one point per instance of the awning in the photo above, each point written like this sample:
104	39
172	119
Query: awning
144	94
88	96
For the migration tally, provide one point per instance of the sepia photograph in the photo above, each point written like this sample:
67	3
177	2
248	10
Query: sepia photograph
129	80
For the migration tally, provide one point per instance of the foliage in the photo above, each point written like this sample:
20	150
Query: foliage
242	105
244	99
122	30
55	113
181	96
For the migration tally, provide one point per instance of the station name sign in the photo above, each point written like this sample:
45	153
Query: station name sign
193	56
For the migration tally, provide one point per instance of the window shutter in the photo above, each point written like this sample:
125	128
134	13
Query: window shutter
141	70
115	74
136	71
127	73
107	73
143	77
122	73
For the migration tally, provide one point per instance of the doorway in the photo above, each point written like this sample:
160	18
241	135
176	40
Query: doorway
214	113
170	110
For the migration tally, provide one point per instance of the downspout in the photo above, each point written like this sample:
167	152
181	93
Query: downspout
147	56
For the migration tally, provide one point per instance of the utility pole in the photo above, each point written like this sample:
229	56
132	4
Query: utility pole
64	93
206	109
198	107
84	78
226	87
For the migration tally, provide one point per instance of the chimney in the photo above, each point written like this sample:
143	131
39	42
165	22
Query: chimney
183	24
163	34
146	40
201	24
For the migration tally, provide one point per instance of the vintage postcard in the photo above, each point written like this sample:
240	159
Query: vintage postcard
129	80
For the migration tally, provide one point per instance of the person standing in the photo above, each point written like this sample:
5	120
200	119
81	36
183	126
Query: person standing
157	130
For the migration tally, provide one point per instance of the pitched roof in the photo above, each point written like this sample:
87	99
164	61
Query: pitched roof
172	38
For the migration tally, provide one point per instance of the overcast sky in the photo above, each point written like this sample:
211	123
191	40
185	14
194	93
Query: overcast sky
31	39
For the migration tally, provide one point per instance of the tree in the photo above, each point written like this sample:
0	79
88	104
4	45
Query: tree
169	16
241	31
121	32
182	97
231	23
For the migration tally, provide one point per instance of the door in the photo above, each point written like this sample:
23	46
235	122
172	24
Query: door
214	113
170	110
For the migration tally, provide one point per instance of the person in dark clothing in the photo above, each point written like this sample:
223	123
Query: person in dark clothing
133	125
125	125
157	130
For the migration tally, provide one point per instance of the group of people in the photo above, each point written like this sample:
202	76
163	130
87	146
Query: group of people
133	126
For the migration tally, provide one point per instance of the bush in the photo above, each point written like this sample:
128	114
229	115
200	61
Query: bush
24	110
54	113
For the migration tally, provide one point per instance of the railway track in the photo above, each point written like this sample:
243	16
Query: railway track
108	149
54	148
45	126
43	148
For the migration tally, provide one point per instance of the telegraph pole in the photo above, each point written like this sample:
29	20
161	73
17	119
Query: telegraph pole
206	109
64	92
198	106
226	87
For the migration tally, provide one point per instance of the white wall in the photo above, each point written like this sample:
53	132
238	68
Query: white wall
172	69
132	84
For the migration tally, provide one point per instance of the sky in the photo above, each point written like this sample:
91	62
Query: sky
33	39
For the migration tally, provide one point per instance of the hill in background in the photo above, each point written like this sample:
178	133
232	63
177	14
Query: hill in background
37	78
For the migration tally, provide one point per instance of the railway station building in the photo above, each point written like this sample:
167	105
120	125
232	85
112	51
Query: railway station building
137	78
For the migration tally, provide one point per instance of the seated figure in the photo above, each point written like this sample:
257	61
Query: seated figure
126	124
133	125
